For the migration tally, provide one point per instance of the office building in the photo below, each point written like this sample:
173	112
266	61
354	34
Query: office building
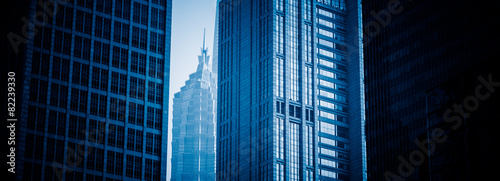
193	124
291	91
423	58
94	91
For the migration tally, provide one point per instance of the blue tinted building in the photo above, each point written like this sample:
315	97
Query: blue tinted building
291	91
193	124
96	76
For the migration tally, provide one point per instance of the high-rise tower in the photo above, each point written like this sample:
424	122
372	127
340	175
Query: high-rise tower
193	131
291	95
94	91
426	64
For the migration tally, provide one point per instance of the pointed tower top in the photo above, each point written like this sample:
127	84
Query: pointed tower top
203	38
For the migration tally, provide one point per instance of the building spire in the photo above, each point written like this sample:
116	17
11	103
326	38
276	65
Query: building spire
204	59
203	39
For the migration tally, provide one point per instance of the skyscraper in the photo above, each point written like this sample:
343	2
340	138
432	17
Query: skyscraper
193	131
291	95
424	60
94	104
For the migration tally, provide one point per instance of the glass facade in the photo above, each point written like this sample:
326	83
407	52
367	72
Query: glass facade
193	131
414	74
95	76
304	90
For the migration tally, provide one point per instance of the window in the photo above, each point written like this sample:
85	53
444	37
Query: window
149	143
120	58
334	117
59	95
64	17
134	140
104	6
91	177
157	145
115	163
156	67
78	100
325	33
339	4
137	88
136	114
332	75
122	9
309	85
101	52
295	111
138	63
148	174
118	83
57	123
159	2
117	109
62	42
333	106
294	149
133	167
74	152
156	43
99	78
96	131
121	32
83	22
80	74
40	63
139	37
280	138
85	3
116	135
154	118
325	13
102	27
325	23
153	143
140	13
60	68
334	129
98	105
36	118
34	146
309	115
280	35
43	37
155	92
38	90
77	127
95	158
154	18
82	48
309	137
280	107
55	151
74	175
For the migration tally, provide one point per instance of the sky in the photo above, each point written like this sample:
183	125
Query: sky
189	18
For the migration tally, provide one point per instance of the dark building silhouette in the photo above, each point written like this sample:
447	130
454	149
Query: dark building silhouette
93	82
423	59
